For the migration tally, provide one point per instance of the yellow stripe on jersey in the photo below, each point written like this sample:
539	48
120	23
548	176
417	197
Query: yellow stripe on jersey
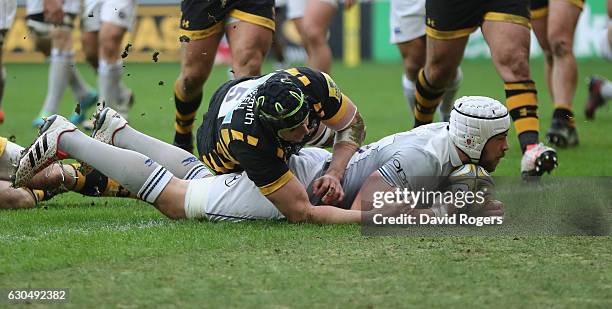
237	135
225	137
213	165
281	181
334	91
303	78
343	117
319	109
253	141
225	151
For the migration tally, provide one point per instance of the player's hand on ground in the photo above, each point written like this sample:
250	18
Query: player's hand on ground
53	12
330	190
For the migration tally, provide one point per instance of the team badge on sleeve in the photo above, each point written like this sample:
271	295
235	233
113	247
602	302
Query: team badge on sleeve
334	91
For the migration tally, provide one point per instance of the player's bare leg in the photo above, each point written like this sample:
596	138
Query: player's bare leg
317	18
15	198
197	60
512	64
59	70
562	21
249	44
413	54
442	60
539	25
110	67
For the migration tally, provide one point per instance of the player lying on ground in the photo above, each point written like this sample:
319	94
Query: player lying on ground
58	178
194	193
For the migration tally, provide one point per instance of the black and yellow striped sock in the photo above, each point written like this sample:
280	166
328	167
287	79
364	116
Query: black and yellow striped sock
522	102
565	115
96	184
185	116
427	100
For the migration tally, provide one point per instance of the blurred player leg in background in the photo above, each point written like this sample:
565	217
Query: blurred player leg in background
249	26
318	15
554	23
8	9
278	46
90	30
116	18
449	24
407	28
52	25
600	89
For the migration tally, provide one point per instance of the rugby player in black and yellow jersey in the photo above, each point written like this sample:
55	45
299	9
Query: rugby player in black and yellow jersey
255	124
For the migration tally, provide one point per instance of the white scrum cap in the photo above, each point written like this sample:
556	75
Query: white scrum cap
474	120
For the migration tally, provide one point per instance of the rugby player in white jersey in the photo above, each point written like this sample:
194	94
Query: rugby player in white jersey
52	23
8	9
180	186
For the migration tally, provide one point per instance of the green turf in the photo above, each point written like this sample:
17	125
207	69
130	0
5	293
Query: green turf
124	254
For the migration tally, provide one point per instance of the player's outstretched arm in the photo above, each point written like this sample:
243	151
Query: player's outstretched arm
292	201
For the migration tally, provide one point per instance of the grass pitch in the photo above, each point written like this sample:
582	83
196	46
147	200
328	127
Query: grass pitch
123	253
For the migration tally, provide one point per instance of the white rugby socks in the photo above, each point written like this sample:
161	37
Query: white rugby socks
409	89
79	86
181	163
136	172
109	81
59	72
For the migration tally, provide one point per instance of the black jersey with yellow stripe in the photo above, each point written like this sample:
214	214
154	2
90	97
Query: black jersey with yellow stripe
232	139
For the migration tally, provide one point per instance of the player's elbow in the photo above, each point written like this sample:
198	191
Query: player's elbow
303	214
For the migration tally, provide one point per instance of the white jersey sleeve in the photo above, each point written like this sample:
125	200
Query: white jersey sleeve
412	168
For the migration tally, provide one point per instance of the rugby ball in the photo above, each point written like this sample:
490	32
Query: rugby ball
471	178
